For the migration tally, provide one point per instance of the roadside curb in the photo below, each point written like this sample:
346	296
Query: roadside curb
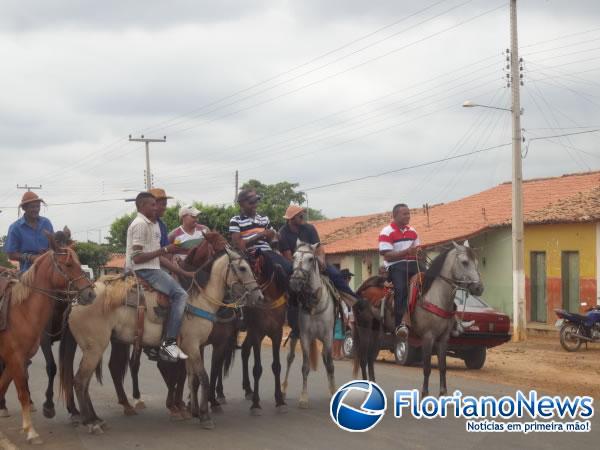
5	444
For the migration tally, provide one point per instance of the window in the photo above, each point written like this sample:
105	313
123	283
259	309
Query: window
538	287
570	281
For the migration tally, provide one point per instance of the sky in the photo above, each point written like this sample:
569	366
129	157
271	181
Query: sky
312	92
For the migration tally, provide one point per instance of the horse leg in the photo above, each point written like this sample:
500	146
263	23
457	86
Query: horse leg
373	352
427	347
328	362
216	369
276	368
5	380
134	368
119	354
46	344
246	347
19	375
305	343
442	349
197	373
220	394
290	359
179	377
255	409
89	361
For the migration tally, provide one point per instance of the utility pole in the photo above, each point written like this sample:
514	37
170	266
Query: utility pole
147	141
235	194
518	253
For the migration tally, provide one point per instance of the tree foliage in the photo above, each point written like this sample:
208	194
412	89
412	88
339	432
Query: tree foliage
4	262
92	254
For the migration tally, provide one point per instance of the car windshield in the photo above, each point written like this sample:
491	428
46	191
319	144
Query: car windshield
472	301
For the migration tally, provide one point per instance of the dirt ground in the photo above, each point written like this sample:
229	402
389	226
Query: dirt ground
538	363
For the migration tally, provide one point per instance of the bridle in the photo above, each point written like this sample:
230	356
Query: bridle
67	295
304	278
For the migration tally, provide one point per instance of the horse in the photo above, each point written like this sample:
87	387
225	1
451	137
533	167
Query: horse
316	317
267	320
91	328
55	275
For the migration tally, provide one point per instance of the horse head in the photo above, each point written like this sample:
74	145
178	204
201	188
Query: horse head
305	280
464	270
240	280
66	274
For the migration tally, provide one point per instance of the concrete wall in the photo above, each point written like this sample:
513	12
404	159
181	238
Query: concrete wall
553	240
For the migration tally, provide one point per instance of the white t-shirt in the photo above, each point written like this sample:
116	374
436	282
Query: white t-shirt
145	233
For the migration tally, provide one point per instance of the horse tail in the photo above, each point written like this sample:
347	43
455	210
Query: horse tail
313	355
230	353
361	320
66	351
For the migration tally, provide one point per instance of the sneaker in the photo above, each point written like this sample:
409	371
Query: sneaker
169	351
402	331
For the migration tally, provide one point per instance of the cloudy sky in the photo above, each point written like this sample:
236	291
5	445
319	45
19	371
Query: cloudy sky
314	92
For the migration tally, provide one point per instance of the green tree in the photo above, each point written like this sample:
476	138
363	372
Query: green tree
92	254
4	262
277	197
216	217
117	235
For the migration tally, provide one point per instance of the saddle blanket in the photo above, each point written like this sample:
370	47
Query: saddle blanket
415	288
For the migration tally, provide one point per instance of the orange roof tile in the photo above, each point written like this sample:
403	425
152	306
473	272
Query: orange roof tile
117	261
546	200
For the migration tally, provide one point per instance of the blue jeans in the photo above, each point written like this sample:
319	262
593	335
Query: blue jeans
165	283
400	275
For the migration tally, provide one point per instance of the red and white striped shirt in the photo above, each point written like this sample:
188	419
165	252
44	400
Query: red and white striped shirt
397	239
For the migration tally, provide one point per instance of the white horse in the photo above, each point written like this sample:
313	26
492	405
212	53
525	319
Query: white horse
316	320
92	327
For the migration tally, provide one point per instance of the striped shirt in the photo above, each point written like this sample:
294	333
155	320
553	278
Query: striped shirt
396	239
248	227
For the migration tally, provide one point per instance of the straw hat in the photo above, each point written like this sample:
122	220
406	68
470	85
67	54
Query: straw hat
293	211
29	197
158	193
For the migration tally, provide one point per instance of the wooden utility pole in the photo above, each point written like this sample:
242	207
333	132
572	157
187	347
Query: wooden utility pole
235	194
147	141
518	253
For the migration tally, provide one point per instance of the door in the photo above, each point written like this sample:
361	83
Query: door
570	281
538	286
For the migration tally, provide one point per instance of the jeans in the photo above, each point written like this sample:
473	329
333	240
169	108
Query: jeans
276	258
338	280
400	274
165	283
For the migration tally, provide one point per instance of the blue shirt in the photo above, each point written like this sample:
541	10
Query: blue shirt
23	238
164	233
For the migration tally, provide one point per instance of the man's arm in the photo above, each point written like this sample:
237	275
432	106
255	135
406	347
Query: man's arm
140	257
174	268
397	255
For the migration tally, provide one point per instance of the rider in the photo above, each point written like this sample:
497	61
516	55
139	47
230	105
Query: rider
252	233
161	206
145	256
190	230
398	244
26	240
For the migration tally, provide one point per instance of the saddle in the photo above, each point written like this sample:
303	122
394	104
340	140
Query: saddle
7	279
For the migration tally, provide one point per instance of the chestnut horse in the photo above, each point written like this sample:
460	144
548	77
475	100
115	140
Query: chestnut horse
55	276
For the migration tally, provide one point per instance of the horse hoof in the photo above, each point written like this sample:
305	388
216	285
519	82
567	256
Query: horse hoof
207	424
130	411
102	424
75	419
303	404
4	413
176	416
282	409
140	404
249	395
222	400
256	412
49	412
35	440
216	409
95	429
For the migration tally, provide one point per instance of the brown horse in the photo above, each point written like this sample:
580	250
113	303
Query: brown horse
55	275
267	320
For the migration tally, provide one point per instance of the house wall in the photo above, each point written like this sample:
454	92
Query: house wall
494	251
553	240
361	264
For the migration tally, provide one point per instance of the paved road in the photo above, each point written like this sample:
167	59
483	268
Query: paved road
298	429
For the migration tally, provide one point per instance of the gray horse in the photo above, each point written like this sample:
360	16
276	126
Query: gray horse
433	318
317	317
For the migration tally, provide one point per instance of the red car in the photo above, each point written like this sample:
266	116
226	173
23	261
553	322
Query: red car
491	328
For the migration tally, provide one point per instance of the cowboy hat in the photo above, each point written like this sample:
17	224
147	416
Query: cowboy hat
159	193
29	197
292	211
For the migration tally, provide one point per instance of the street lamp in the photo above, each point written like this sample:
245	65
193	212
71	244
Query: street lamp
517	223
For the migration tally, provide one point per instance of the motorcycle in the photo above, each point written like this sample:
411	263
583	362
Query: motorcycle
576	328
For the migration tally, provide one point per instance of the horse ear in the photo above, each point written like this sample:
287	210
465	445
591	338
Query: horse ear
456	246
466	243
315	246
69	242
51	240
298	242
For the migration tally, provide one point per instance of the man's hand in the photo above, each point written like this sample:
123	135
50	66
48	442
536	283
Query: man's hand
187	274
412	250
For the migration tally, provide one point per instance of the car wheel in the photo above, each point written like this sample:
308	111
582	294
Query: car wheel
569	342
348	345
475	358
404	353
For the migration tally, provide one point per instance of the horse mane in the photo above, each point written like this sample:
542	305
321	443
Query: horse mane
435	269
114	292
21	289
374	281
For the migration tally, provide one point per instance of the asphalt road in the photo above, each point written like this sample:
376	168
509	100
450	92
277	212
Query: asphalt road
297	429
